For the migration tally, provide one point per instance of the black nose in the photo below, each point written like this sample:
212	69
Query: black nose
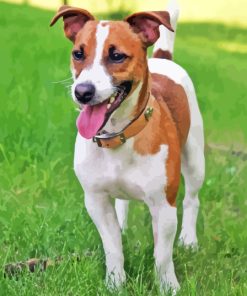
84	92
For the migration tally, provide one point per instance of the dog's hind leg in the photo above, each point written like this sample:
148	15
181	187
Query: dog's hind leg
122	208
193	170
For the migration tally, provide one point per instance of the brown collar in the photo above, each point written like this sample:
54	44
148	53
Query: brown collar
114	140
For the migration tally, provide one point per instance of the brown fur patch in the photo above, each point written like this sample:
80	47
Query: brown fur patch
169	125
134	68
162	54
125	41
86	39
176	99
143	96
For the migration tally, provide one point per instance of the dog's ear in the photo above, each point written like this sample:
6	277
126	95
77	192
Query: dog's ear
146	24
74	19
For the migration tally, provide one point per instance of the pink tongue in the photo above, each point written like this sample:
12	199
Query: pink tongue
91	119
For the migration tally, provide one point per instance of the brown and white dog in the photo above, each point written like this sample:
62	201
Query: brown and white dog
139	127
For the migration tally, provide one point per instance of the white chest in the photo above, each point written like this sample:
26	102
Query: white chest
121	172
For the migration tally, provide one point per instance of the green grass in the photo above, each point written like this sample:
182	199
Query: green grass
41	210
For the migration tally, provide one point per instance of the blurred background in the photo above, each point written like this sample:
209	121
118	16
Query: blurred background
41	202
197	10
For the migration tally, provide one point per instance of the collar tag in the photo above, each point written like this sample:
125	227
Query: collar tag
148	113
122	138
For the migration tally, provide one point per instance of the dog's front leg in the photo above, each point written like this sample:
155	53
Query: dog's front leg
103	214
164	222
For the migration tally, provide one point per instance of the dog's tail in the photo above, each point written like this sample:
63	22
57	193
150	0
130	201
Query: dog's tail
163	47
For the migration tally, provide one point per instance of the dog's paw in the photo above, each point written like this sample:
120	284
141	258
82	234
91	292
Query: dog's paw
167	280
188	241
115	281
169	284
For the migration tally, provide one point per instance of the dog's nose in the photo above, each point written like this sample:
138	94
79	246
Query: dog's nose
84	92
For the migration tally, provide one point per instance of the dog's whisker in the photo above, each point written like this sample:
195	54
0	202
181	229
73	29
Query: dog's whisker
62	81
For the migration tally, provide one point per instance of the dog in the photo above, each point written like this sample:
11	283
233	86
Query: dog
139	127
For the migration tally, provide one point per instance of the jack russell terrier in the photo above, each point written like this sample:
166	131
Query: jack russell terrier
138	129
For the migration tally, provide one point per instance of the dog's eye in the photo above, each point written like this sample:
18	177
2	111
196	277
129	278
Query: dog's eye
115	56
78	55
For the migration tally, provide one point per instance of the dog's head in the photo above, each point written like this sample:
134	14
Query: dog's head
108	62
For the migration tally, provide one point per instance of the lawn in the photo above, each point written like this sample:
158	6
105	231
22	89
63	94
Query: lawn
42	212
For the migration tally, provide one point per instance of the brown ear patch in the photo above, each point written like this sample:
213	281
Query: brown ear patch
146	24
74	19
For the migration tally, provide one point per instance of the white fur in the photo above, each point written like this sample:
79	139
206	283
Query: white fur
127	174
166	40
169	69
102	212
193	169
96	73
174	10
164	221
121	173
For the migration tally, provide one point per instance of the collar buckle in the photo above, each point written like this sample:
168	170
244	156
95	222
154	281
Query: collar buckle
97	140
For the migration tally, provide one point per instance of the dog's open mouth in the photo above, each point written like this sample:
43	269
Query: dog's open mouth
93	118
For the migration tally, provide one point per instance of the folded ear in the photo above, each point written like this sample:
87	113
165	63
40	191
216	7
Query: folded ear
74	19
146	24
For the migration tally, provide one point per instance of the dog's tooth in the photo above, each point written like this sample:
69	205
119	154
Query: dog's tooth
108	106
112	99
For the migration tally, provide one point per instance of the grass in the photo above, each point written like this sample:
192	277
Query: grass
41	211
